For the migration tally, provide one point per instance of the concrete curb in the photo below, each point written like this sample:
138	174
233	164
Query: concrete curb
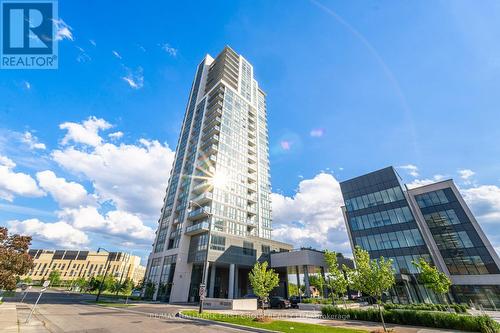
220	323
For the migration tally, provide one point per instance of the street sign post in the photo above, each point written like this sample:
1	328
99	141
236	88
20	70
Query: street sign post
44	287
203	291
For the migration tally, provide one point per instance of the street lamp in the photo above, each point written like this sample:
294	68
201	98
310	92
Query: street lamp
105	274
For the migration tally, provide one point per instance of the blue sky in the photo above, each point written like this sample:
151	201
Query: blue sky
352	87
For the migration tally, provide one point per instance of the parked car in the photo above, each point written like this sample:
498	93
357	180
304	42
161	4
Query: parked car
136	293
295	300
279	302
260	304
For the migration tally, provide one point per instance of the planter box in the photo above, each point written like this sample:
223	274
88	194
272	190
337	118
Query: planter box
230	304
311	307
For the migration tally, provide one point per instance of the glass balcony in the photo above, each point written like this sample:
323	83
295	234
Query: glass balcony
252	209
202	187
199	213
203	198
197	228
211	149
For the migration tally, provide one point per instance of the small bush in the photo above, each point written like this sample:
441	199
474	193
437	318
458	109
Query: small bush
458	308
419	318
316	301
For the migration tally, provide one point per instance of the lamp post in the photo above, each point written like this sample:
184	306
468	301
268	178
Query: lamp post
105	274
204	275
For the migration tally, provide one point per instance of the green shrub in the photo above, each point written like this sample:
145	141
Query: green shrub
419	318
458	308
316	301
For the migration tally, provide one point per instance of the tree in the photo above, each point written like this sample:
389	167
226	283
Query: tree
127	286
317	281
432	278
335	280
54	277
14	258
149	290
372	277
81	283
94	283
263	280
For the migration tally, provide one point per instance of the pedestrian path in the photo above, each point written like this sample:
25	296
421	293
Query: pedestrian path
8	318
13	319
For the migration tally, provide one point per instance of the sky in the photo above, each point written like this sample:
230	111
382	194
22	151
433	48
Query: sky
352	87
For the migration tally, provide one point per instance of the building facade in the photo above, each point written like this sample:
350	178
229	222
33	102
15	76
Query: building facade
217	206
432	222
73	264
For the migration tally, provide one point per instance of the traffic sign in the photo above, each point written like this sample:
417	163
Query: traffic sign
46	283
203	291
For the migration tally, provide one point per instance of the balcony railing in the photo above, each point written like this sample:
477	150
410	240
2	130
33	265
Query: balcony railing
197	228
199	213
203	198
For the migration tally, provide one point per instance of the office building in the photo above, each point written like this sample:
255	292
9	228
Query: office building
217	206
73	264
432	222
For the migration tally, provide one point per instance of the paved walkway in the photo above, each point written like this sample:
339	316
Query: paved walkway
13	319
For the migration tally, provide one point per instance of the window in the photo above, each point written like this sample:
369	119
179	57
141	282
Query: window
266	249
218	243
374	199
431	199
248	248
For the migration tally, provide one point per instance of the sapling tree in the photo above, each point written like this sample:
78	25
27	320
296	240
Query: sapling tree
372	277
433	279
335	278
263	280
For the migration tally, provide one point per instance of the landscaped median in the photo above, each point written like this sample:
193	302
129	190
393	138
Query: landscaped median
436	319
271	325
109	304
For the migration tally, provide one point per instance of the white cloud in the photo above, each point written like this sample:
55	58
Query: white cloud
27	85
116	135
63	31
169	49
32	141
16	183
86	133
67	194
317	132
135	79
92	42
466	175
116	223
411	169
133	177
312	217
60	234
426	181
116	54
484	201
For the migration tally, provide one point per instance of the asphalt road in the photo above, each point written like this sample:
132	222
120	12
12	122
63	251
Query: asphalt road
65	312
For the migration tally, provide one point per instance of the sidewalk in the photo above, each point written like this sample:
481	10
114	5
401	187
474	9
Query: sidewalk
13	319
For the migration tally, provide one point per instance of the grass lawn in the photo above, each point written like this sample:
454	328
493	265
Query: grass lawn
110	304
275	325
8	293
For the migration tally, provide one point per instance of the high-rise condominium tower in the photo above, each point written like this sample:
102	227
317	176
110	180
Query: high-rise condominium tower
218	196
